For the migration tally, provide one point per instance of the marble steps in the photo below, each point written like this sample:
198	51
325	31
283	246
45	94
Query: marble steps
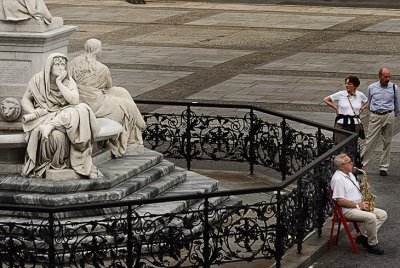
138	187
115	171
191	183
162	179
176	183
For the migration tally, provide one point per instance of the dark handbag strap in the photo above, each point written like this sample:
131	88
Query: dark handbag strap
357	116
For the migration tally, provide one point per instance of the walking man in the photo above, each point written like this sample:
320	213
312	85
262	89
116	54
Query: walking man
384	99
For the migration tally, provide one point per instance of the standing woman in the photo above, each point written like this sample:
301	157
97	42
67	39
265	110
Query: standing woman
346	112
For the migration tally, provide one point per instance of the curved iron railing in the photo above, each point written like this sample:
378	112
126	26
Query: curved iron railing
254	135
205	233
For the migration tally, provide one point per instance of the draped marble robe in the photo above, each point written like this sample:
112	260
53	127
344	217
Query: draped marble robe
74	128
17	10
95	88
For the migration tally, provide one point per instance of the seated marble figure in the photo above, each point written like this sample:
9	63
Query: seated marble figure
59	129
107	101
18	10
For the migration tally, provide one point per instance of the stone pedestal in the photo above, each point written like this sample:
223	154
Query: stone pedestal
135	149
24	48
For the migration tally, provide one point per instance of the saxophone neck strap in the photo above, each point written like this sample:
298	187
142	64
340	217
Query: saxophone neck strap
355	185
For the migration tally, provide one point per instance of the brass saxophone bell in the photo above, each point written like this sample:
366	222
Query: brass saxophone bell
367	196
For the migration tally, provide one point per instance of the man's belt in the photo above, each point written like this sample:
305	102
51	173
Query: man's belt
381	113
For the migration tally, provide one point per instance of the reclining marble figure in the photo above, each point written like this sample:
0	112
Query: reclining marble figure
59	129
95	88
17	10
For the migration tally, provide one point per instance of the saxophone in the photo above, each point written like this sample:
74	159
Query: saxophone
367	196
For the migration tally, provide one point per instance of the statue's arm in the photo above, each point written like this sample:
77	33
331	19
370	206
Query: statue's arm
27	102
109	79
70	92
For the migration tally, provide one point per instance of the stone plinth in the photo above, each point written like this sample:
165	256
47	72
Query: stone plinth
24	48
31	26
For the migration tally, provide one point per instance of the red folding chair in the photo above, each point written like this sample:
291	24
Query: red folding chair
338	218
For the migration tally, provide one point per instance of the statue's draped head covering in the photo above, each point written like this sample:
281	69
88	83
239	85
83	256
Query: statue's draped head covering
45	96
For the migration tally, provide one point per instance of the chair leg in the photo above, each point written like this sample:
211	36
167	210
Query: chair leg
330	242
338	232
350	236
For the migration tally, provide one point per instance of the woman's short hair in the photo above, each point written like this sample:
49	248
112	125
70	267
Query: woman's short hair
353	79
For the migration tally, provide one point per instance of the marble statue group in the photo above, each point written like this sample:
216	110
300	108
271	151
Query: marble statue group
18	10
62	104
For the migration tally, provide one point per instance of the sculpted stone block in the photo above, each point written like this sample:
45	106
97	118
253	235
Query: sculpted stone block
96	89
60	130
31	26
10	109
19	10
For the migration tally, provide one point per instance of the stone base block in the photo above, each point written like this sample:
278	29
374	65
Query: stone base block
10	168
31	26
23	54
70	174
135	149
63	175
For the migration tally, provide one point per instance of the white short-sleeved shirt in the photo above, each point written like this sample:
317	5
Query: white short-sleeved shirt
345	186
341	99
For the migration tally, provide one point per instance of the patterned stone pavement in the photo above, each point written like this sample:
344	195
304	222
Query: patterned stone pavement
285	55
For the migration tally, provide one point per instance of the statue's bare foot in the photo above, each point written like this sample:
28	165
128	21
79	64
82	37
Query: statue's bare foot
95	174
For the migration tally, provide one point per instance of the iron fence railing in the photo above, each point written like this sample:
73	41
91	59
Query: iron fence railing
205	233
233	132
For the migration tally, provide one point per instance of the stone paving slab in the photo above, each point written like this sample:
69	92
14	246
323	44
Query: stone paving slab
389	26
167	56
132	15
216	37
138	82
366	42
275	20
270	88
265	6
86	31
336	62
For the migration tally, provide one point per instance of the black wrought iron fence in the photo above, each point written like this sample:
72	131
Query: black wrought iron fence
242	133
204	234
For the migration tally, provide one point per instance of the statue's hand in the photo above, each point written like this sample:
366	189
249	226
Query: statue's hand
38	16
62	76
45	130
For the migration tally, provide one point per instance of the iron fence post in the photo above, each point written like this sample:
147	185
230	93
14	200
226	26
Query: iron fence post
282	157
206	234
252	133
129	245
319	138
188	149
300	214
52	251
321	186
279	247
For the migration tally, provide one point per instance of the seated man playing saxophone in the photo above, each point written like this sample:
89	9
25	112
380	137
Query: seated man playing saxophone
349	195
